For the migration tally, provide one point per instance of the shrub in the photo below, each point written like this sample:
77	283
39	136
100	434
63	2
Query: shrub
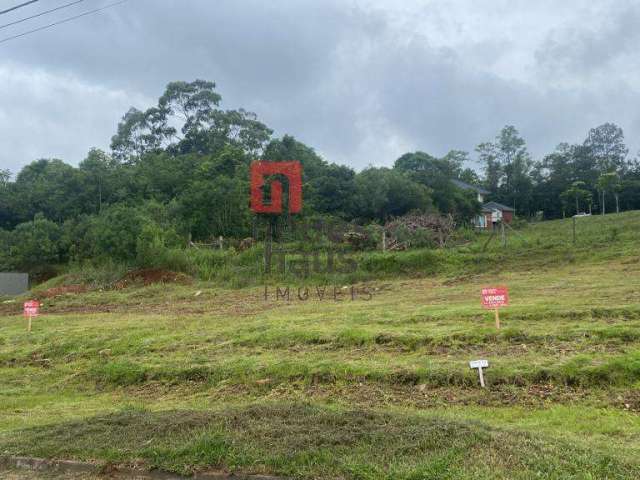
34	246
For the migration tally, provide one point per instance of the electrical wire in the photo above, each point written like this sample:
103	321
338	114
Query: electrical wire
17	7
40	14
66	20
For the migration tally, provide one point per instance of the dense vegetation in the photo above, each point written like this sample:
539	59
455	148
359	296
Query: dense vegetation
179	171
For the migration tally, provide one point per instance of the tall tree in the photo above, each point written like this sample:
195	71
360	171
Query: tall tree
606	144
508	169
97	172
187	120
609	182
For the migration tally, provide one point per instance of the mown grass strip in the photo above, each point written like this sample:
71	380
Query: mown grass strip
303	440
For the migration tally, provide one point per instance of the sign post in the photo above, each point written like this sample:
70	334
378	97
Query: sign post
31	309
480	364
493	298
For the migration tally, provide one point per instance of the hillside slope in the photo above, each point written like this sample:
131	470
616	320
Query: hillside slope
195	377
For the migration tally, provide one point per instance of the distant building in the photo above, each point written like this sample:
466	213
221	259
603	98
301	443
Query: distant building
492	212
481	192
12	284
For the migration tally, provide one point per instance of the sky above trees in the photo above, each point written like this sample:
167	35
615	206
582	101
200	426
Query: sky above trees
362	82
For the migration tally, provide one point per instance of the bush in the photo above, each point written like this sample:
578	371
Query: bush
35	246
137	236
5	244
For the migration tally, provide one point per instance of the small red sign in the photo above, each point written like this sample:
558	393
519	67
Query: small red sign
495	297
31	308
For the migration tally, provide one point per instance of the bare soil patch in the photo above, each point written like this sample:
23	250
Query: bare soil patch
152	276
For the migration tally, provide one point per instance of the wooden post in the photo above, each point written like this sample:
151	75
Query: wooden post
498	318
574	230
255	228
267	248
481	377
384	240
221	242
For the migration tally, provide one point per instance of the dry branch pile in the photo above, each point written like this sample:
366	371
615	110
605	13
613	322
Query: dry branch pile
399	231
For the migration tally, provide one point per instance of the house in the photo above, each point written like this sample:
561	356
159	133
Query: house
481	192
492	213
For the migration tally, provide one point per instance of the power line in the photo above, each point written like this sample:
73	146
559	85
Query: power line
66	20
40	14
17	7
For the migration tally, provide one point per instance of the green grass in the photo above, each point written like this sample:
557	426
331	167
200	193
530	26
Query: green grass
359	389
300	439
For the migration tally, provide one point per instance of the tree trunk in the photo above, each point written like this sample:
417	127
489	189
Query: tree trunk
603	209
617	203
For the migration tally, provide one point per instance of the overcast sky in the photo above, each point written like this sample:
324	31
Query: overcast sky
361	82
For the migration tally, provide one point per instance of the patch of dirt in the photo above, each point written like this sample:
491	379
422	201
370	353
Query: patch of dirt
63	290
629	401
152	276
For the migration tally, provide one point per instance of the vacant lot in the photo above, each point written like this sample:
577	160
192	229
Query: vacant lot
197	377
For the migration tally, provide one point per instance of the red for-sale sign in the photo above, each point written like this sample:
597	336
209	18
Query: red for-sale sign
31	308
495	297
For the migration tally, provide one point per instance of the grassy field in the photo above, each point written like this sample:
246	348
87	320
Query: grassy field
195	377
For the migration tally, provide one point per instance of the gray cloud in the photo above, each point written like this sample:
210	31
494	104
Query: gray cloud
360	82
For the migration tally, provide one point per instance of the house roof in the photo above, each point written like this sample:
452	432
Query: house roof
468	186
497	206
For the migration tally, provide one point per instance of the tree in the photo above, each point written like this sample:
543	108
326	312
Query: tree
328	188
288	148
333	191
190	108
488	156
436	174
139	133
578	193
37	244
609	182
216	209
50	187
5	254
606	144
192	102
114	234
508	169
382	193
96	171
5	198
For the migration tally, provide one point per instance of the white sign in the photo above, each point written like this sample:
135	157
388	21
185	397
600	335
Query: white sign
480	364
